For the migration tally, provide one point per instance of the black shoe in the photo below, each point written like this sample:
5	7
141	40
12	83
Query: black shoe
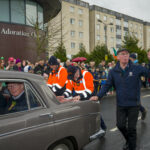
126	146
143	114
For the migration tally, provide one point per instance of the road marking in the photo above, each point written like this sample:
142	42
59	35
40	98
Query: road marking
139	118
146	96
115	129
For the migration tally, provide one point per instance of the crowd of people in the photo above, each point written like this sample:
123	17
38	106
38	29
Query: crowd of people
42	67
80	81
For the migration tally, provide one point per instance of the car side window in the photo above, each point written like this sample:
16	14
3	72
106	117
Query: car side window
12	97
33	99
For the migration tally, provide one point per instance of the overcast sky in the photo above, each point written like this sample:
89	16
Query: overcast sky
135	8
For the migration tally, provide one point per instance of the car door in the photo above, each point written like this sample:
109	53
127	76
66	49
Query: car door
29	129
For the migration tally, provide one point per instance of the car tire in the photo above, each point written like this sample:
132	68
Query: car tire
62	145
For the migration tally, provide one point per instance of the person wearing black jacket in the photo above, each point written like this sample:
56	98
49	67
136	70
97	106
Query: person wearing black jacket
39	69
126	78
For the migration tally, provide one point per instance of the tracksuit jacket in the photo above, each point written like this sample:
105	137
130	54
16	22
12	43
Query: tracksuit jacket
126	82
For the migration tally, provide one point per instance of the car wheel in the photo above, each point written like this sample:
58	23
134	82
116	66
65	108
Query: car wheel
62	145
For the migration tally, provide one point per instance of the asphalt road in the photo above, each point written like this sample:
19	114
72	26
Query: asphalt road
113	139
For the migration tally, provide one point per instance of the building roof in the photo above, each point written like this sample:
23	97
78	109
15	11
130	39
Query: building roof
114	13
78	2
51	8
147	23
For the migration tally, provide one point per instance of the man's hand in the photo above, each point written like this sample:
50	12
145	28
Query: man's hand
63	100
76	98
94	98
60	98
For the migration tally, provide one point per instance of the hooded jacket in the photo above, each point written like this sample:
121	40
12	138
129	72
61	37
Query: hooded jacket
127	83
84	87
57	80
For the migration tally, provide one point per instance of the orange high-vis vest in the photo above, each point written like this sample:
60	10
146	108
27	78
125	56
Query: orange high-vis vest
57	80
84	87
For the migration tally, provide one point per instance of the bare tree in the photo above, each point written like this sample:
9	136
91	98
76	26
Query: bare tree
56	33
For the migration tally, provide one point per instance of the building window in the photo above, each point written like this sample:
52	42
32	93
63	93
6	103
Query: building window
136	34
4	10
118	32
131	25
22	11
105	18
136	26
125	24
111	20
141	35
118	22
17	11
125	33
111	29
72	45
118	41
72	21
80	11
81	34
98	26
71	9
140	28
31	12
80	23
80	45
98	37
97	16
72	33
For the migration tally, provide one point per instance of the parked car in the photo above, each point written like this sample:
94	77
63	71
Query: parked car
45	124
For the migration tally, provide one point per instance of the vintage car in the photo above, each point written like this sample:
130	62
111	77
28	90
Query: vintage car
45	123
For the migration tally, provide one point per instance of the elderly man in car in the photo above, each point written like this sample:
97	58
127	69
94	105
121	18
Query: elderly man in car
17	101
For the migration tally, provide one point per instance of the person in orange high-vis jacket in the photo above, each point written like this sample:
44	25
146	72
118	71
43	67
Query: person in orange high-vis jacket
57	77
80	84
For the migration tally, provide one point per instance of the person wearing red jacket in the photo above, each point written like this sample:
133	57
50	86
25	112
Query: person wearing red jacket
57	77
80	84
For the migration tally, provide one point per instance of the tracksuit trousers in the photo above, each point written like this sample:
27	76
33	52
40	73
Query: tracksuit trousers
126	122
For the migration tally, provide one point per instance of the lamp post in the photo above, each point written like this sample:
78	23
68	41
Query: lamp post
105	28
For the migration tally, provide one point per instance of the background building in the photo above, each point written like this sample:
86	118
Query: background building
74	19
110	27
93	25
146	35
17	20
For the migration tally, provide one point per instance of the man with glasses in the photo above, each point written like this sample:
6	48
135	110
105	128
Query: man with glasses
126	78
17	101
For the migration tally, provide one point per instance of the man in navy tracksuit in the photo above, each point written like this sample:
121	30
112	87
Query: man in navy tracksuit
125	77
